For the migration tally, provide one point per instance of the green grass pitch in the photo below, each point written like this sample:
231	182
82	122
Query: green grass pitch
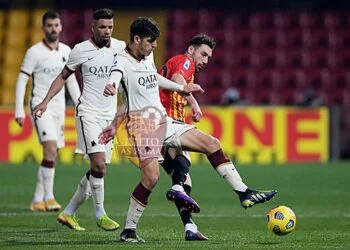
318	194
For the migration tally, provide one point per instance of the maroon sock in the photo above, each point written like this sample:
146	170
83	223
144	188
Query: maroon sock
141	194
47	164
217	158
96	174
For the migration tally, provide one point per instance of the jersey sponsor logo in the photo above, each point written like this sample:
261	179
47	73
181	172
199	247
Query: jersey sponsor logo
100	71
52	70
187	64
149	81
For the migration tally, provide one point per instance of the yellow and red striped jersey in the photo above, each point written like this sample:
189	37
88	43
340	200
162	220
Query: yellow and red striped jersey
172	101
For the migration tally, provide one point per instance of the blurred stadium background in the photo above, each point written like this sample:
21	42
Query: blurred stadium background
287	61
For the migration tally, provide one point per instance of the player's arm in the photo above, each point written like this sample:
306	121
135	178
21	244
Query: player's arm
21	84
170	85
196	110
113	83
73	88
110	131
55	87
28	65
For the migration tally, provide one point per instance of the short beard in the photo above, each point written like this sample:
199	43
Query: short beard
103	43
50	39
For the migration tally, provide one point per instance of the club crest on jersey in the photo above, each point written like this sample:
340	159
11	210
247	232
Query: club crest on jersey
149	81
187	64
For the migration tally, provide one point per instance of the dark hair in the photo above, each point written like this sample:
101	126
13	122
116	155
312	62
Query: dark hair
50	15
144	27
103	14
202	38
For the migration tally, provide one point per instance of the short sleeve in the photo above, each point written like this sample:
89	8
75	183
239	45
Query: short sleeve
74	59
118	65
183	66
29	62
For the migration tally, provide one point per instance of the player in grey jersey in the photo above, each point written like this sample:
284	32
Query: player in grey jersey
94	58
133	71
43	62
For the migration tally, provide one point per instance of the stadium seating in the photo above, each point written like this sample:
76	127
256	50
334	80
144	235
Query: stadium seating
284	52
277	49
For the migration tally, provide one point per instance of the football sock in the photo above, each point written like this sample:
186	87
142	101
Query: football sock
225	168
138	203
185	215
192	227
48	174
39	188
81	194
180	166
97	192
178	187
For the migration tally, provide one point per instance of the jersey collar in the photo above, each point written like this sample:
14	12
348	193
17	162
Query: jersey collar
93	41
129	51
48	45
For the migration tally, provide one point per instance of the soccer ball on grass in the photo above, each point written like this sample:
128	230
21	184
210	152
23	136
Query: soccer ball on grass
281	220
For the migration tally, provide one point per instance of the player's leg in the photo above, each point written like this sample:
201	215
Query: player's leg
67	216
96	180
47	130
179	167
197	141
48	174
43	196
191	230
92	183
170	166
99	156
139	199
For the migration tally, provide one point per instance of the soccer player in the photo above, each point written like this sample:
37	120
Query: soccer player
131	70
94	58
181	69
43	62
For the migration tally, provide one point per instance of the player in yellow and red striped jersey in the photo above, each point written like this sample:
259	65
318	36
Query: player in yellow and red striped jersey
174	103
182	69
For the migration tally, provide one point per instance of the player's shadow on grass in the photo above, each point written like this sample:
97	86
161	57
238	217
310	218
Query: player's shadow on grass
13	210
59	242
30	232
268	243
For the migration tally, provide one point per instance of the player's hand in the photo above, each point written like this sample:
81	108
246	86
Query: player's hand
107	134
196	114
20	121
39	110
189	88
109	90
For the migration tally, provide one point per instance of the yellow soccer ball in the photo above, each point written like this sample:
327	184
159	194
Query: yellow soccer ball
281	220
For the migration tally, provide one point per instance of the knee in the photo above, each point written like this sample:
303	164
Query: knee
99	166
213	145
50	152
150	179
153	179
